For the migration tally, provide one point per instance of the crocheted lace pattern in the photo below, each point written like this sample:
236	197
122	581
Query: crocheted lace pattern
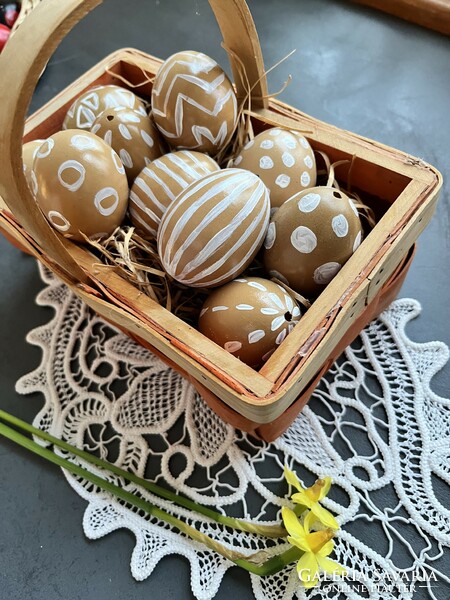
373	424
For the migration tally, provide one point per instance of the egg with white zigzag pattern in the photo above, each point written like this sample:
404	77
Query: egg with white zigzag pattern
193	103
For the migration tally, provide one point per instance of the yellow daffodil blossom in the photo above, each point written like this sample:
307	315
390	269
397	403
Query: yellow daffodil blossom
310	497
316	545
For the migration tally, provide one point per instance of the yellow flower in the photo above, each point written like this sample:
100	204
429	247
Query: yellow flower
310	497
316	545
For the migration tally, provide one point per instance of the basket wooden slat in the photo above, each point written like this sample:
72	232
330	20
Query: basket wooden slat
434	14
402	190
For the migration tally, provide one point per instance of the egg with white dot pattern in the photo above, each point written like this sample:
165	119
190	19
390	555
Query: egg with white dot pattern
81	185
91	103
29	150
310	238
213	230
249	317
133	136
161	182
283	159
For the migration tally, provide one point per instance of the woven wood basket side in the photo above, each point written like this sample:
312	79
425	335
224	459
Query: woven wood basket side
21	63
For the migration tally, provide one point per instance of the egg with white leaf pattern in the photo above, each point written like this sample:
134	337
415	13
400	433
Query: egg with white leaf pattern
81	185
310	238
249	317
91	103
283	159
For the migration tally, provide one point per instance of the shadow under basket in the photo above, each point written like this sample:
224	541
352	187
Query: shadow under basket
400	189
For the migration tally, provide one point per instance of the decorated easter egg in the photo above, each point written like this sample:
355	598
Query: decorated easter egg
81	184
193	103
133	136
5	32
9	13
310	237
212	231
249	317
161	182
88	106
283	159
28	155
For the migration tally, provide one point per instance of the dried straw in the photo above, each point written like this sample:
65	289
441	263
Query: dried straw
137	260
137	62
363	209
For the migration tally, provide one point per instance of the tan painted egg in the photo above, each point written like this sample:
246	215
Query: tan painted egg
193	103
214	228
310	238
249	317
133	136
283	159
28	154
88	106
81	184
161	182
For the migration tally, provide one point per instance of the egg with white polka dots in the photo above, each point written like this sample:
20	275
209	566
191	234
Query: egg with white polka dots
283	159
310	238
81	185
133	136
249	317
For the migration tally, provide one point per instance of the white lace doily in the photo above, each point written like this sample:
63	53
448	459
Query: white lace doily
373	424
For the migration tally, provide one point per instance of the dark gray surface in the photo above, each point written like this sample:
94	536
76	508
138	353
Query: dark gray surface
355	68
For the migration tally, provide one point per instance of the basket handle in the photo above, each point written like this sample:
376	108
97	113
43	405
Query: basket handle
240	36
21	64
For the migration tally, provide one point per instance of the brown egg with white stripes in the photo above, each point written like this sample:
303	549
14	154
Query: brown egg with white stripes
193	103
249	317
133	136
310	238
212	231
29	150
81	184
161	182
91	103
283	159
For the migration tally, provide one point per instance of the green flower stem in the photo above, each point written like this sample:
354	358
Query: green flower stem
272	565
273	531
269	567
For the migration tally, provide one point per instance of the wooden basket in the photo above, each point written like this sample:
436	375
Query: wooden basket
402	190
